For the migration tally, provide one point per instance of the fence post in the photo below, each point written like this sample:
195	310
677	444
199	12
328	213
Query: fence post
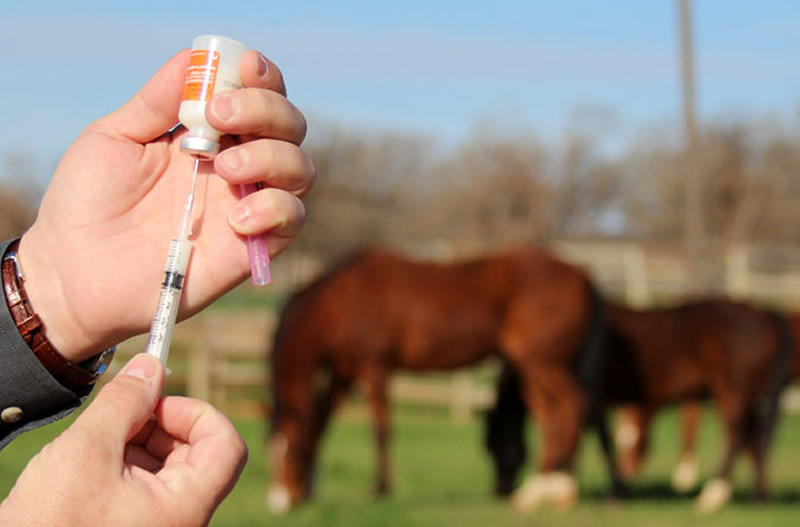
636	293
199	371
461	396
736	271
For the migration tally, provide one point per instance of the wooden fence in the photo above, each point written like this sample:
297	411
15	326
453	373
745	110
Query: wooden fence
642	275
220	355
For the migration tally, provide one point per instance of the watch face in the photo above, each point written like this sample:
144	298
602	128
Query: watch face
11	256
98	364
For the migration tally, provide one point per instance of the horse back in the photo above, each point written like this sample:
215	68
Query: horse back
663	355
419	315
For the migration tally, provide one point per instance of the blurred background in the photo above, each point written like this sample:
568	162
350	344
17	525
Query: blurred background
452	127
659	152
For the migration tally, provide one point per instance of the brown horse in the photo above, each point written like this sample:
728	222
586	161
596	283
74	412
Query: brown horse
378	312
632	436
737	354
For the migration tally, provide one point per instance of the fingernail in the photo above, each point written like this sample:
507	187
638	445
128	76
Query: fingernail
239	216
141	366
263	66
224	107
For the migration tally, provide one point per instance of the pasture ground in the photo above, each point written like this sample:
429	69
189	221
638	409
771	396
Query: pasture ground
442	477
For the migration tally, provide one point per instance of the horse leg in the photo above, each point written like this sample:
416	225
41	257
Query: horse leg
326	404
289	445
376	379
717	491
684	476
765	418
632	438
338	388
619	489
559	405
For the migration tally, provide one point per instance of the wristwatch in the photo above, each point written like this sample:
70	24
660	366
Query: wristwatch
73	376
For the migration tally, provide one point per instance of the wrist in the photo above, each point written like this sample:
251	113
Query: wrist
42	287
73	373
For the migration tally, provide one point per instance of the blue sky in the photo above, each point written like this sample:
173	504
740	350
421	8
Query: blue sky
433	67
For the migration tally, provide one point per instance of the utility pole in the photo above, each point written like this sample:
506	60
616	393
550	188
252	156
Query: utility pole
694	223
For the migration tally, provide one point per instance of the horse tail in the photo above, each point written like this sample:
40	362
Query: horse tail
765	406
590	366
782	371
590	361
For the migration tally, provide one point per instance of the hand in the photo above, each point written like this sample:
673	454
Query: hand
116	466
95	256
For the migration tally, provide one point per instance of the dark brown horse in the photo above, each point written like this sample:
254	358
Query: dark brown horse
739	355
378	313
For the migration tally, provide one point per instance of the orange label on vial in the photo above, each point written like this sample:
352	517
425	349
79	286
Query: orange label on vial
201	75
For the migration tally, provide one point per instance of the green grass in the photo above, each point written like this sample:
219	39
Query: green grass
442	477
248	296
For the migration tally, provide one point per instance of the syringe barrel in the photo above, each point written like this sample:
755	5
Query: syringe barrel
170	299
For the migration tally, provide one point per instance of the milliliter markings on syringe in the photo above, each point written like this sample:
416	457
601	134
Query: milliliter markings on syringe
177	263
174	282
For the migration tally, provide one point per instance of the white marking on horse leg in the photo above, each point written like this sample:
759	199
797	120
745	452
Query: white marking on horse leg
626	436
684	477
715	494
561	490
558	489
278	446
278	500
530	494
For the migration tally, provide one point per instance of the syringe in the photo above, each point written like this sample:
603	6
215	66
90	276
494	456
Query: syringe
177	262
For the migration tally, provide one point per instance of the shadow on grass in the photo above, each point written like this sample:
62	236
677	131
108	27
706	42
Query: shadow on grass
656	491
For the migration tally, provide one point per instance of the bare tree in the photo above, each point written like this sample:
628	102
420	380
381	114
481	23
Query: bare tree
366	188
19	193
504	187
491	192
585	186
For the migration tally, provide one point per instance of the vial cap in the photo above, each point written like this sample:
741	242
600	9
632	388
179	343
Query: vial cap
200	147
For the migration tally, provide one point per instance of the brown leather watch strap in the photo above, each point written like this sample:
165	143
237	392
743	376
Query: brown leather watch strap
33	332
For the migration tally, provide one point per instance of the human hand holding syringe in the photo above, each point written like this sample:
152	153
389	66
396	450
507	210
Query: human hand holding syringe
214	68
109	202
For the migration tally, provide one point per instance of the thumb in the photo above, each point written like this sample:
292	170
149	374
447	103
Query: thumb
125	404
154	109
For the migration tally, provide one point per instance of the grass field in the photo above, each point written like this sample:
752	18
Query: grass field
442	478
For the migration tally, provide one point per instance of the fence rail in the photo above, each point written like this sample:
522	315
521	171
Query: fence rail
220	356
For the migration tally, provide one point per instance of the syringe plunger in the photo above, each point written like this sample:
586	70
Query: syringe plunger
170	299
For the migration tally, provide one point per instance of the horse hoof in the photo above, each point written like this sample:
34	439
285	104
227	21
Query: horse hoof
684	477
715	494
278	500
530	495
562	490
558	489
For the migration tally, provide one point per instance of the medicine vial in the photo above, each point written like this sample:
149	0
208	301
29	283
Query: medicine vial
213	69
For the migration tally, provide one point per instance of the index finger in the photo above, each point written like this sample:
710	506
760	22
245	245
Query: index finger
260	72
